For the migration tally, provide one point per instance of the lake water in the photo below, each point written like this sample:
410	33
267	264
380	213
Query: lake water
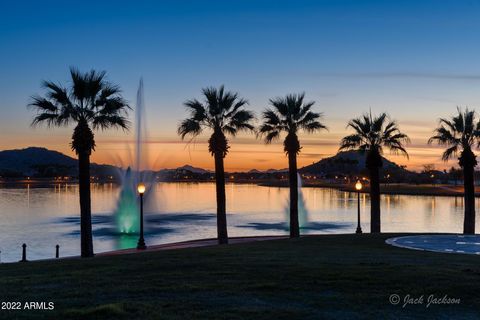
45	217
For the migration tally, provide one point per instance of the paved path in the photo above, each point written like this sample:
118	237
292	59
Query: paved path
190	244
446	243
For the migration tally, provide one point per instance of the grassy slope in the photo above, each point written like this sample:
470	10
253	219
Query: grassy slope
341	276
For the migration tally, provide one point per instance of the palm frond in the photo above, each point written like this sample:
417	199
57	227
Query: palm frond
460	132
378	122
222	112
189	127
351	142
112	106
56	93
310	122
450	152
280	105
241	120
49	118
444	136
42	105
107	121
212	95
197	110
375	132
108	90
272	136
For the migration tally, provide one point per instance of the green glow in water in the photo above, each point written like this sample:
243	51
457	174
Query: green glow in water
126	241
127	214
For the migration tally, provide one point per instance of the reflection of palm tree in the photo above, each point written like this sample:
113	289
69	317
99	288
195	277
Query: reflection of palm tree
90	103
459	134
290	114
372	134
223	113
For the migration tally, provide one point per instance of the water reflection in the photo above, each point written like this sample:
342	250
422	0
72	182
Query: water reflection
45	216
283	226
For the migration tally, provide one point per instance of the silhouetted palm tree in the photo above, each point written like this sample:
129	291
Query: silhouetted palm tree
90	103
290	114
372	134
460	134
223	113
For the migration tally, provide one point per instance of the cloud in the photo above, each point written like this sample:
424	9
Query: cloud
315	155
403	74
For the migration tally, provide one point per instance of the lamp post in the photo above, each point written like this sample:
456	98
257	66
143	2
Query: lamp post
141	242
358	186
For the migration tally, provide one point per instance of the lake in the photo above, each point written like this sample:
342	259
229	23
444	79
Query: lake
45	217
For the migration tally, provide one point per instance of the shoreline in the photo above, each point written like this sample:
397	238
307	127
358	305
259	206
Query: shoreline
213	242
441	190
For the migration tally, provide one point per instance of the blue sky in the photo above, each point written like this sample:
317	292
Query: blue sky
417	60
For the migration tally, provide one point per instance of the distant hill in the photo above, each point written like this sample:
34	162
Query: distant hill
44	163
190	168
184	168
41	162
276	170
31	160
349	162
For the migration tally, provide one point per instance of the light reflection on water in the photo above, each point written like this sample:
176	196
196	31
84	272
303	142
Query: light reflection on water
44	217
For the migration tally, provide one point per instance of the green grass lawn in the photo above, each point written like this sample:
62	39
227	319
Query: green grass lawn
332	276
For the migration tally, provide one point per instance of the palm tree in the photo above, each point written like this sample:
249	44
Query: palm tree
460	134
372	135
290	114
90	103
223	113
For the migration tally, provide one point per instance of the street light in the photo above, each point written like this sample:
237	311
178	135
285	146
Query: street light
141	242
358	186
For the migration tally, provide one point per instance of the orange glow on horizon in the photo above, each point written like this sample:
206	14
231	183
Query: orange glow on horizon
242	157
246	152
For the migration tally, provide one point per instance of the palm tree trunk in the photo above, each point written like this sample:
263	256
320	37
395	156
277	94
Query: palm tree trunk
374	200
469	194
293	182
86	242
221	201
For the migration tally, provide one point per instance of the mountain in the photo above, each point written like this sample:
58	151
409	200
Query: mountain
30	160
276	170
41	162
188	167
349	162
186	172
44	163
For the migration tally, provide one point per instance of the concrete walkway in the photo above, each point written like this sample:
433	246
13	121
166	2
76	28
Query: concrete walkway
189	244
445	243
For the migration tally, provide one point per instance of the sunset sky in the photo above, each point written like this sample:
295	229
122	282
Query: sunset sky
416	60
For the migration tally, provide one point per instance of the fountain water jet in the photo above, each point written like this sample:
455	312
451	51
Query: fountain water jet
302	208
126	214
127	211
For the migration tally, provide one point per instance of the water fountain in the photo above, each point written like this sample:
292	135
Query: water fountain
302	208
126	214
127	211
